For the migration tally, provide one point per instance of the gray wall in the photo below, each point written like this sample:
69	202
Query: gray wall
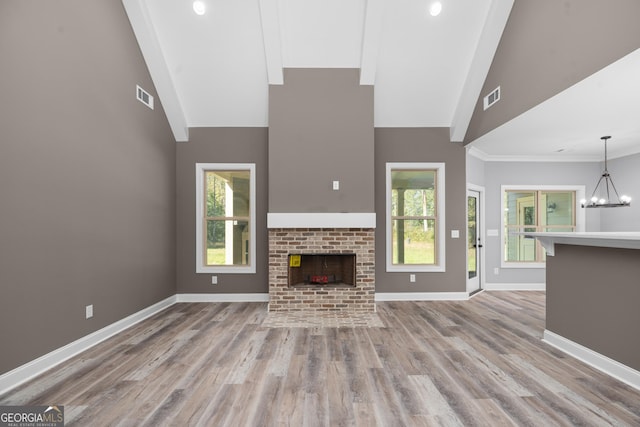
423	145
320	131
529	173
549	45
625	172
87	177
219	145
492	175
596	307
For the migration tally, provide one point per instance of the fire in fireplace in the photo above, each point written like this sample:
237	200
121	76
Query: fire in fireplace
322	270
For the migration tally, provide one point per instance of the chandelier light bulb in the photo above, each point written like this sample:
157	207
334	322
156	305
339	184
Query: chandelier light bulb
602	201
594	199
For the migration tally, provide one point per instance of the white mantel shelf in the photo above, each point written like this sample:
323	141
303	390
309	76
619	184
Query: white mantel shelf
624	240
321	220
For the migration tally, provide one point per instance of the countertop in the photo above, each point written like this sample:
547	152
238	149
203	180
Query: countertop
618	239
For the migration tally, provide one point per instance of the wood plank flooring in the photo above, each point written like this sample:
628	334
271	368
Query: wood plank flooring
479	362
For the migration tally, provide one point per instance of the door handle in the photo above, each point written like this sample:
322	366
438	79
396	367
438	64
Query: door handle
477	246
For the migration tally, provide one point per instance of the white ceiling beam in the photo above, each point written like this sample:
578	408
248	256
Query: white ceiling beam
371	41
487	45
150	46
269	15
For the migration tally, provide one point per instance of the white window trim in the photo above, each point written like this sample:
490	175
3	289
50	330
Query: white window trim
580	217
440	221
201	168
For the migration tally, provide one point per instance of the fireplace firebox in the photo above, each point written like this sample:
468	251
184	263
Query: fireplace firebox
309	270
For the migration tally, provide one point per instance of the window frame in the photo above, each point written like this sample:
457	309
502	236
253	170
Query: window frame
579	215
201	267
440	217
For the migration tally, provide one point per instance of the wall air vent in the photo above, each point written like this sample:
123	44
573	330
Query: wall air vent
144	97
492	98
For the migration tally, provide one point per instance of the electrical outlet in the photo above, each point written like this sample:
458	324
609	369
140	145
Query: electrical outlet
88	311
412	278
496	271
214	280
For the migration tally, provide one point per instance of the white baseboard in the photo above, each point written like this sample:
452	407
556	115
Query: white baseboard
422	296
603	363
222	297
31	369
514	286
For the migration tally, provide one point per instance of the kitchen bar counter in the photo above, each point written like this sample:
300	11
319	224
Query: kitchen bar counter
593	299
628	240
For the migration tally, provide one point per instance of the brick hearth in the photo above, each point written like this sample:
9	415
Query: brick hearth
285	241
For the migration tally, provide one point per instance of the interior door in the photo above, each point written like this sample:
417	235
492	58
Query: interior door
474	241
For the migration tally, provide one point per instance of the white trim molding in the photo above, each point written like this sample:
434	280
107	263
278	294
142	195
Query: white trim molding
31	369
529	158
480	230
440	221
580	217
258	297
515	286
422	296
24	373
201	267
601	362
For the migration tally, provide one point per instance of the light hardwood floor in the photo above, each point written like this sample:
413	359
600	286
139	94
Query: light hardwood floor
478	362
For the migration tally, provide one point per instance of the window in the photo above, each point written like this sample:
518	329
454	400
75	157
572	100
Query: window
225	218
415	217
536	209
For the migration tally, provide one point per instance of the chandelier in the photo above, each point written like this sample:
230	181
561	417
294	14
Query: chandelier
601	197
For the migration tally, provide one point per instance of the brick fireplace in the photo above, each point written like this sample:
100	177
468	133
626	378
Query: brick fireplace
321	189
300	294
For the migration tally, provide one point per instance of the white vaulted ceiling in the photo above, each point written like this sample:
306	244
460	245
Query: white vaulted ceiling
214	70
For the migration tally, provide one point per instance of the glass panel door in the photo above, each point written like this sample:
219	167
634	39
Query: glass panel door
474	243
472	234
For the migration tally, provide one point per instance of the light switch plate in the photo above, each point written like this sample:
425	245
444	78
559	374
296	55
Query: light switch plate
336	185
455	234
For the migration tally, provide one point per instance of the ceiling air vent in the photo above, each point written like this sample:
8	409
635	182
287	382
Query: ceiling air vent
144	97
492	98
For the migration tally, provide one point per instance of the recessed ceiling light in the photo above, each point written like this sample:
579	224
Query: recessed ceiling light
199	7
435	8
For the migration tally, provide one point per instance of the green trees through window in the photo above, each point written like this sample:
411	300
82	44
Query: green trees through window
415	217
226	218
413	211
